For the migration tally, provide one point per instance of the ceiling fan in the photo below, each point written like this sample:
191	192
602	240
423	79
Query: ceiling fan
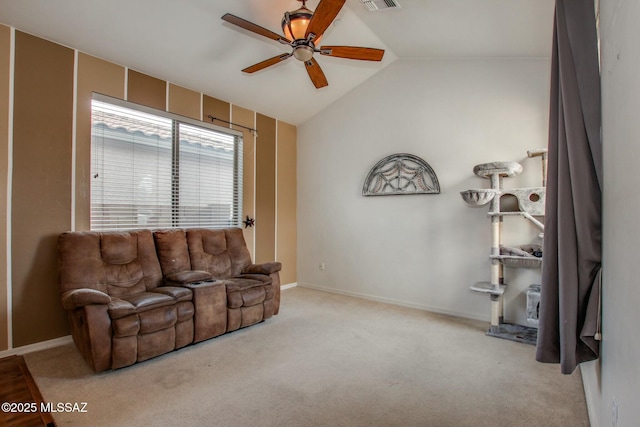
303	30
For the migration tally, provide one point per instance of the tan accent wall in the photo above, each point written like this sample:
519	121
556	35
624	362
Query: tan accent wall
216	108
265	189
94	75
286	202
42	185
41	191
5	75
146	90
184	102
244	117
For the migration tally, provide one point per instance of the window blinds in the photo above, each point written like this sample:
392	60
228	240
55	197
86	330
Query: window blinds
159	171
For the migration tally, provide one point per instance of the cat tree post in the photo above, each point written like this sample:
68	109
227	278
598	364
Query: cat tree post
542	153
496	277
494	171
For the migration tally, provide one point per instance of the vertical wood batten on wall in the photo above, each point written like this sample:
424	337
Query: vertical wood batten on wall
146	90
265	189
286	202
5	82
244	117
41	184
94	75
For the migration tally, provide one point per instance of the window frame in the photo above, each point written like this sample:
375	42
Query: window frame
176	119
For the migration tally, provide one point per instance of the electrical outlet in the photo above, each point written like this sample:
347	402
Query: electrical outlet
322	266
614	412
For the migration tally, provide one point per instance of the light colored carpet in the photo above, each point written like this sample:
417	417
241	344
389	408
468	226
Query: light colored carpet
325	360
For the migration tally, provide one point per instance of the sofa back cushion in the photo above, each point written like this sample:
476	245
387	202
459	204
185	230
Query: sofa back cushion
223	253
173	253
117	263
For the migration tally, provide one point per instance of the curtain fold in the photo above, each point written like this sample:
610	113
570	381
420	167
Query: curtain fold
571	271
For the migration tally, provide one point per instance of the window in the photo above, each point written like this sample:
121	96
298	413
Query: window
151	169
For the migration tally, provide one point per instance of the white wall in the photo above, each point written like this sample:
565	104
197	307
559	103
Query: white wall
617	374
420	250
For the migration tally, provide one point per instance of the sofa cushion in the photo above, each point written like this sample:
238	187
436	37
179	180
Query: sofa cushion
173	253
223	253
253	296
124	279
138	303
119	248
175	292
126	326
245	292
153	320
130	262
208	252
185	311
157	319
80	262
156	343
270	293
214	242
116	263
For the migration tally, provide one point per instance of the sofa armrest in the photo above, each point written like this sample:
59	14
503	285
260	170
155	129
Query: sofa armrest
92	333
76	298
186	277
266	268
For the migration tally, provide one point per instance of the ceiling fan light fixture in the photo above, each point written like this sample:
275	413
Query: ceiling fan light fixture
295	23
303	53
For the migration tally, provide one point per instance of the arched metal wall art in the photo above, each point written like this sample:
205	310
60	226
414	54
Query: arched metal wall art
400	174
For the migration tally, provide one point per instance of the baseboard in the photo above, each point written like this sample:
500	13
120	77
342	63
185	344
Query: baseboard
43	345
288	286
589	382
392	301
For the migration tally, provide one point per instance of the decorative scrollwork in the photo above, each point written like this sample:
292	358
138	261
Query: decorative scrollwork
400	174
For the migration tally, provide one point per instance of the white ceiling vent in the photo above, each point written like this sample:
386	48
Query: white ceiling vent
375	5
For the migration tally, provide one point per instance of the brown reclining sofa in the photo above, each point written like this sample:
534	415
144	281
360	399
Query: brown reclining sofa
134	295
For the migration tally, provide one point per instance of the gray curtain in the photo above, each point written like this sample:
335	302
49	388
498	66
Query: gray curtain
570	297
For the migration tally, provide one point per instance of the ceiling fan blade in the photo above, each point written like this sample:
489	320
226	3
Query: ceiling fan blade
315	73
323	16
254	28
267	63
352	52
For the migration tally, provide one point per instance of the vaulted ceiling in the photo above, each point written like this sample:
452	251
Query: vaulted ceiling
187	43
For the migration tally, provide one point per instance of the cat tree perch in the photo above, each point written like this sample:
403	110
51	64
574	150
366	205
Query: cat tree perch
529	205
